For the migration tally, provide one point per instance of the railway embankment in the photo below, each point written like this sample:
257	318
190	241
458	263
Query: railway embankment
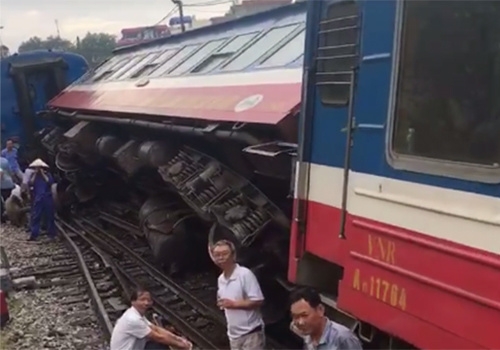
50	308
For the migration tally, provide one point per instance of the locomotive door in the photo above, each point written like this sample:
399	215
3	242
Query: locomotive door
328	117
336	71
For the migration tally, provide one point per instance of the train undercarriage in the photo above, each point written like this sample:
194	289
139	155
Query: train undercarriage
183	191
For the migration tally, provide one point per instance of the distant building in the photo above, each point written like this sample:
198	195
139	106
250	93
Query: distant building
240	8
190	22
138	35
249	7
4	51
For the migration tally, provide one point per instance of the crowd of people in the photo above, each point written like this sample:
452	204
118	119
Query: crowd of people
238	294
31	188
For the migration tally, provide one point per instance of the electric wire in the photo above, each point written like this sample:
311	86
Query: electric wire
170	13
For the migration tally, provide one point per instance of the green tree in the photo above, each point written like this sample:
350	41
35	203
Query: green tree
96	47
51	42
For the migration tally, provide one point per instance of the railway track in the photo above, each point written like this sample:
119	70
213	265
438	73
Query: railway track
177	306
80	278
185	305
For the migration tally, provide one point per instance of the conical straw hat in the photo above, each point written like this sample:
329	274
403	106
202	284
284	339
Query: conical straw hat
38	163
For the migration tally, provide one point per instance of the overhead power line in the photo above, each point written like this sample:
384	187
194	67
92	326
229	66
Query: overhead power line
209	3
170	13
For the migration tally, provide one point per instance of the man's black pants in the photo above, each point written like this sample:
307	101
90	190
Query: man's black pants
152	345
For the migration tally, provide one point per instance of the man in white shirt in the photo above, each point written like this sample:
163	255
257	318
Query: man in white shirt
240	296
133	331
16	208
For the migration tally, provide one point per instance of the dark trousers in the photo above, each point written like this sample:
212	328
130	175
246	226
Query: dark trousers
43	206
5	194
152	345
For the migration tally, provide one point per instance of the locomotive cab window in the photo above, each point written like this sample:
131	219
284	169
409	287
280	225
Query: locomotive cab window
447	105
338	52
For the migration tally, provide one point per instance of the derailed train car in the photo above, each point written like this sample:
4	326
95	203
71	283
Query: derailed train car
28	81
201	124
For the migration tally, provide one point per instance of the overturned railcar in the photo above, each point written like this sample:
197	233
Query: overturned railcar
28	80
195	129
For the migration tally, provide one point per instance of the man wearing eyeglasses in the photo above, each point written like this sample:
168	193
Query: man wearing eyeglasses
240	296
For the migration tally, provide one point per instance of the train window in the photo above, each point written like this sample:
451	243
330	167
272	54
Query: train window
142	63
237	43
153	63
173	60
203	52
130	63
107	71
266	42
106	65
211	62
338	52
300	61
287	53
447	106
224	53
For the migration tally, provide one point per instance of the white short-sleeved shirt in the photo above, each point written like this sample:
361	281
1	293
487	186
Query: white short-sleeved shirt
16	192
130	331
241	285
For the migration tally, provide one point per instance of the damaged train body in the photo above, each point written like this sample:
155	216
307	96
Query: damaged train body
199	130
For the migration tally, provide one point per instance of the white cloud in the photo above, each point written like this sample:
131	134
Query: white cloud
23	19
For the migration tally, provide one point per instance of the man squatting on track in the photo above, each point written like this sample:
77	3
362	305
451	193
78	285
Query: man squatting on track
240	296
133	331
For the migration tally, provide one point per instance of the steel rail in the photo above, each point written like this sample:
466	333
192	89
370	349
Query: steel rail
96	298
205	310
121	274
192	333
185	328
271	343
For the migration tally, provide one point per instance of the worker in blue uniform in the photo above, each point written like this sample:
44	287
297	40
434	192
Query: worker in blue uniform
43	203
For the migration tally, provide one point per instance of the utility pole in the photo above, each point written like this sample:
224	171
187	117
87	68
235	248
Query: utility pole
181	13
57	28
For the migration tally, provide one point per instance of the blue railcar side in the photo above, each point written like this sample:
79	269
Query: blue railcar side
374	92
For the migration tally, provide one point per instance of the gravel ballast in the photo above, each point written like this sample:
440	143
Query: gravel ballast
52	317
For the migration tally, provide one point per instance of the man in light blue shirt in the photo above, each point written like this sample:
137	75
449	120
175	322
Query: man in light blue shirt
6	183
10	153
240	296
318	332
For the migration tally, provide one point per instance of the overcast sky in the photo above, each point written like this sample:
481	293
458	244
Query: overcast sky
23	19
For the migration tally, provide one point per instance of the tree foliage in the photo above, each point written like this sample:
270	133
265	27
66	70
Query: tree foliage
95	47
51	42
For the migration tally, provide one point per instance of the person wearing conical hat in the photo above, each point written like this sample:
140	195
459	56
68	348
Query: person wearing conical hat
43	203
